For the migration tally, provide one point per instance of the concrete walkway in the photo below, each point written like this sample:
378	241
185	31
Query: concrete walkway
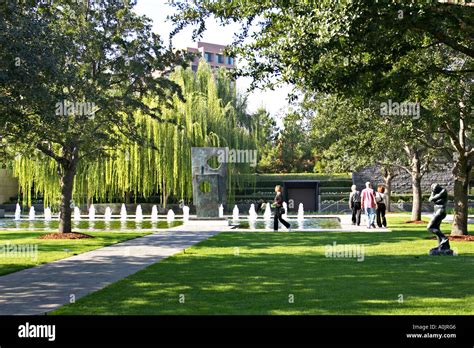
46	287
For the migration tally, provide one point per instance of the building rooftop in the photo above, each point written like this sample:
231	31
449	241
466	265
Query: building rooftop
213	54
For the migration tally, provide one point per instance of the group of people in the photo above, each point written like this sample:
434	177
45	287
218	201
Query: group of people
373	203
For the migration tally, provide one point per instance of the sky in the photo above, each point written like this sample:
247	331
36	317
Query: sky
158	10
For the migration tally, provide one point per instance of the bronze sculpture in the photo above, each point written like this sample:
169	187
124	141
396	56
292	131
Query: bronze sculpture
439	197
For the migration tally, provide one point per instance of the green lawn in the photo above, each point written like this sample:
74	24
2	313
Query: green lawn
49	250
259	273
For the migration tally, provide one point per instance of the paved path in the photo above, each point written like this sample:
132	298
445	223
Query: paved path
46	287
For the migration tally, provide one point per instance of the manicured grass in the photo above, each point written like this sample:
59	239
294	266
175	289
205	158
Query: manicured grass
49	250
259	273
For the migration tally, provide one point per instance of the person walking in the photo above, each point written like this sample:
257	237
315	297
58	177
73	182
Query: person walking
279	211
381	201
367	198
354	205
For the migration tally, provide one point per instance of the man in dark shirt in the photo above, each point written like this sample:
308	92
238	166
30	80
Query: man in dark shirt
354	205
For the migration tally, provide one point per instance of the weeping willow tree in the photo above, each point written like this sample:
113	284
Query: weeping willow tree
211	114
74	74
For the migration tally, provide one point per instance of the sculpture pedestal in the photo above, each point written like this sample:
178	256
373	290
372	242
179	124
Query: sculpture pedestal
209	184
441	251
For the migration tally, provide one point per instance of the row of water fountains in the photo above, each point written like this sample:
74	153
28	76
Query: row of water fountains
267	215
139	217
47	216
124	220
252	216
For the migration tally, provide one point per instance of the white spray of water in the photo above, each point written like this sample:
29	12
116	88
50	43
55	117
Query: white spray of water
77	214
108	214
139	214
32	214
221	211
92	212
47	214
285	206
17	212
170	216
154	213
235	213
185	213
123	213
267	215
300	212
252	213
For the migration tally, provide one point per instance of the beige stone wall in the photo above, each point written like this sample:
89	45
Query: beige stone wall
8	186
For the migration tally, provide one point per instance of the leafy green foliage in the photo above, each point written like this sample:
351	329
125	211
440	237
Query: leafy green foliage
207	116
295	148
106	55
333	45
367	52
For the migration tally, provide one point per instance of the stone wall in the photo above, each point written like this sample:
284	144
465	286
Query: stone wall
402	183
8	186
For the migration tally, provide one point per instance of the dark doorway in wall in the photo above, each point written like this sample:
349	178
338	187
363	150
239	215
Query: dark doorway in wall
301	191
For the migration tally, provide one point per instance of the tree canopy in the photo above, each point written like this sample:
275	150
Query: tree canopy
336	45
367	52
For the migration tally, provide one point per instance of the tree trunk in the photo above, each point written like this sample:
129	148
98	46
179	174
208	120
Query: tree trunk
388	175
65	212
388	193
462	171
68	167
417	200
416	176
128	197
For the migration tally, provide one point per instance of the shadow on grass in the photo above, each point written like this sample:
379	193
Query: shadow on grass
271	267
292	239
41	251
